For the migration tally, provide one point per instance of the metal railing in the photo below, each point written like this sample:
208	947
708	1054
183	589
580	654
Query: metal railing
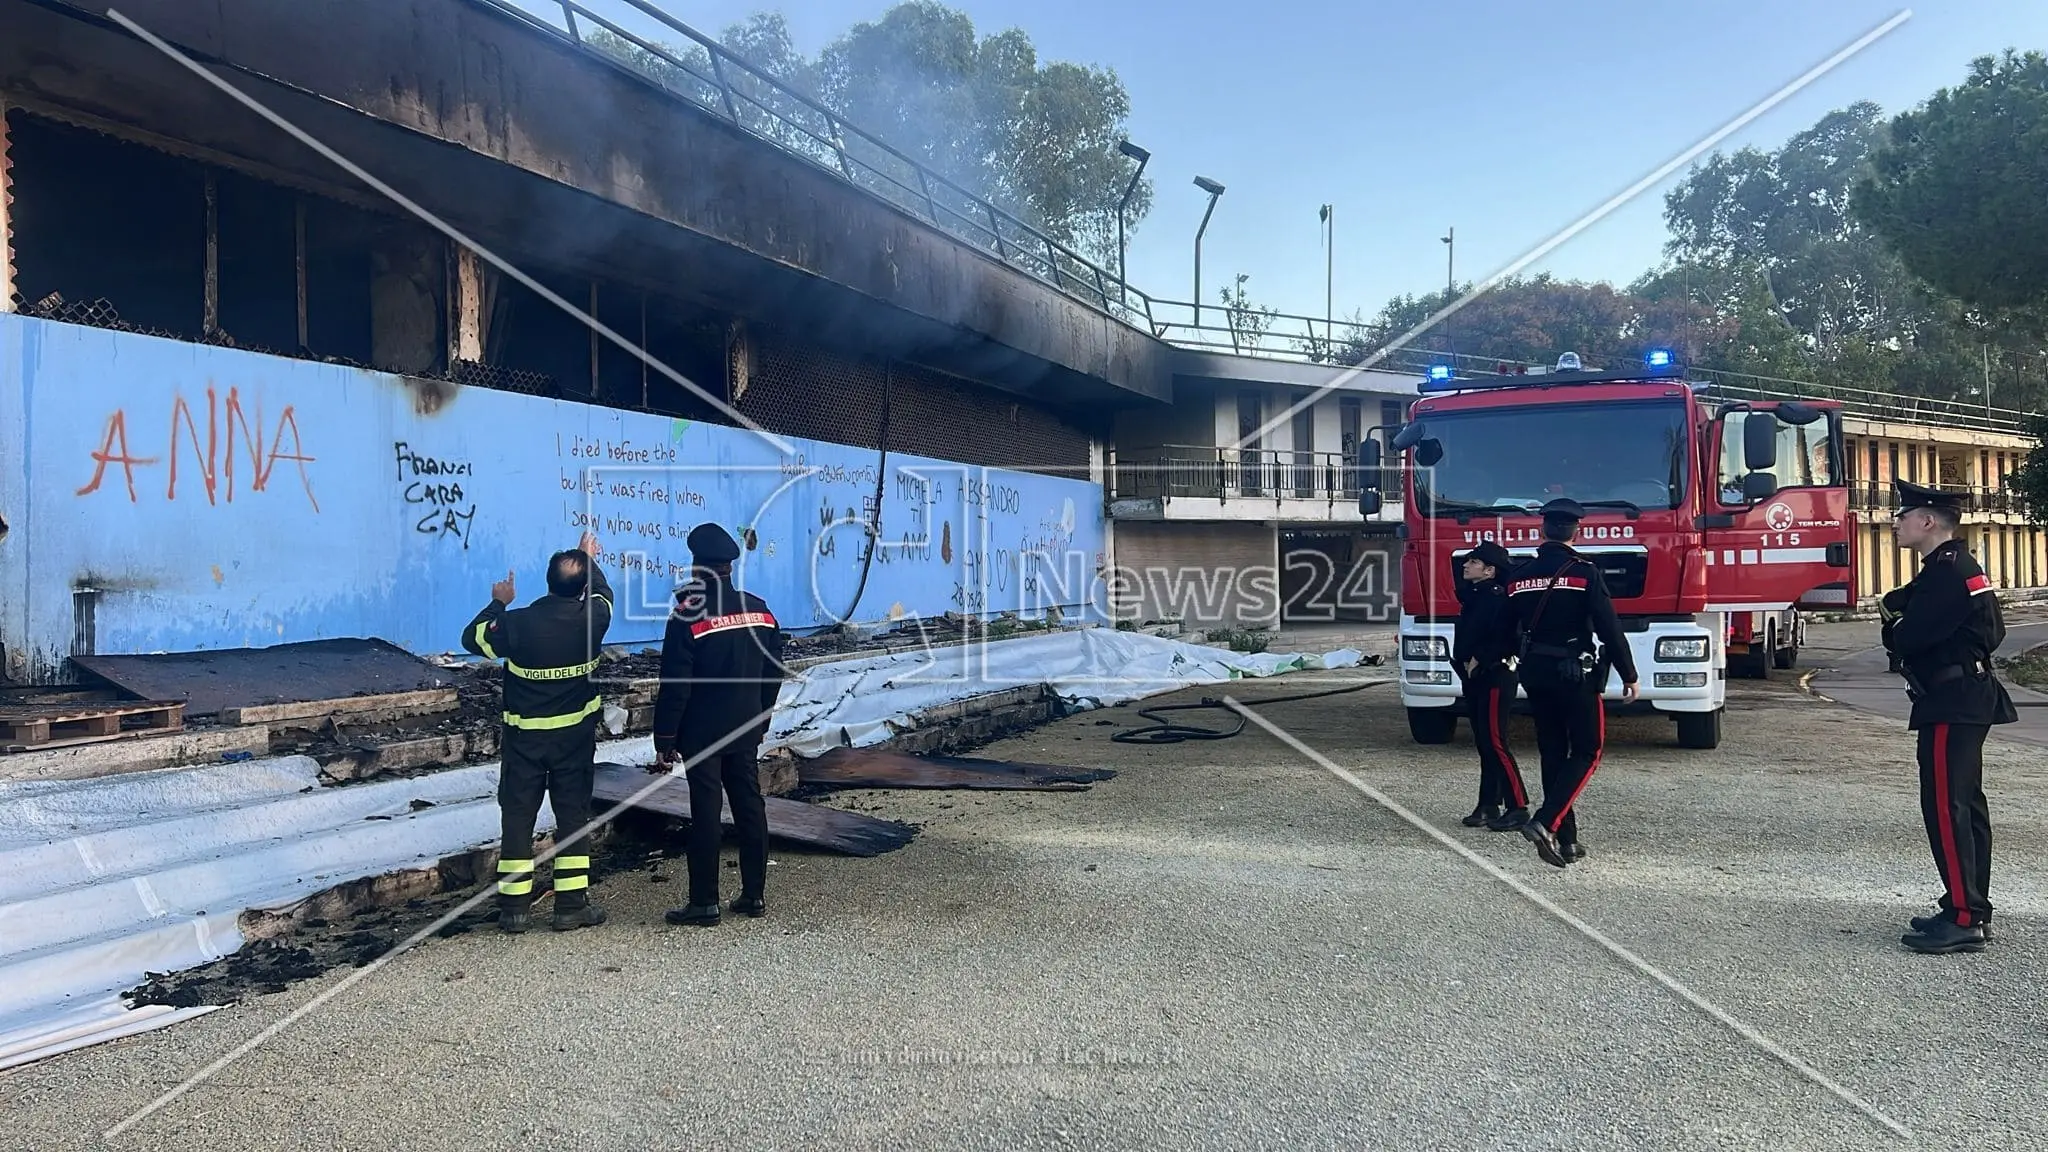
1266	474
1715	384
727	86
1874	496
766	107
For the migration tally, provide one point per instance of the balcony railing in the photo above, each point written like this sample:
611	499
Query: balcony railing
1872	496
755	101
1724	386
1269	475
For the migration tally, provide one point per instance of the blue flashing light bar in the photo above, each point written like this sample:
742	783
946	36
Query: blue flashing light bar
1440	372
1658	358
1441	381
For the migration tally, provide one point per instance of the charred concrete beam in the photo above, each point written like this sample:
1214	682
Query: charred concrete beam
525	141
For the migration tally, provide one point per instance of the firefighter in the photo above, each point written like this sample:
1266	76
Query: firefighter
1943	627
1559	603
721	668
548	744
1482	651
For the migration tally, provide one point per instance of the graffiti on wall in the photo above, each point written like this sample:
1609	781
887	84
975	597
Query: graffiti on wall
228	424
208	476
433	492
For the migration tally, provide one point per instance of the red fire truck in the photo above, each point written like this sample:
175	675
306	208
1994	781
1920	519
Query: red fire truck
1698	512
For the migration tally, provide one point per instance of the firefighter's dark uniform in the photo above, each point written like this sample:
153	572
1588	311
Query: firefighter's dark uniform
1943	627
1560	603
548	745
721	669
1482	650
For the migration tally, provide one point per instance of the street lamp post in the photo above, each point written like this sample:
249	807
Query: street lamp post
1123	281
1450	239
1214	190
1330	271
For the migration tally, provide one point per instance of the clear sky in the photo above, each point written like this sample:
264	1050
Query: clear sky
1504	119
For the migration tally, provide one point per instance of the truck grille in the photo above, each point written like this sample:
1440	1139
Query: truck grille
1624	572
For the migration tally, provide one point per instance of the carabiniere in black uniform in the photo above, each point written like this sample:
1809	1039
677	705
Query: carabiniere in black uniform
1560	602
1942	629
548	744
1482	652
721	670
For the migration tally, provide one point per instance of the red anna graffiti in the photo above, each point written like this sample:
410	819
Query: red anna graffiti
213	470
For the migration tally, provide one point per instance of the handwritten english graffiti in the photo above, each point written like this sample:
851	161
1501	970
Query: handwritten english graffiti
216	469
411	464
451	514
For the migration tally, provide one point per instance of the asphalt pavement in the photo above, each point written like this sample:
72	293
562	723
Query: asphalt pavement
1857	677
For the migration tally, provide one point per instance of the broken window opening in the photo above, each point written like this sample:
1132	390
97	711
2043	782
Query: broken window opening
106	233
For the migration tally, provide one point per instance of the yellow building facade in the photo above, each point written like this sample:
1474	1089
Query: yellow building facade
2014	552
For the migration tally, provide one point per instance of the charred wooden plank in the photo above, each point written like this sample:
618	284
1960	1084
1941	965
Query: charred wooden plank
384	705
812	824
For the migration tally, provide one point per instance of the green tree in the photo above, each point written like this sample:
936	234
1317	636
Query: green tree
1957	188
2029	482
1038	140
1785	216
1536	319
1248	322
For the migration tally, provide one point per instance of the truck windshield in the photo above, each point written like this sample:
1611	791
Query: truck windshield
1628	454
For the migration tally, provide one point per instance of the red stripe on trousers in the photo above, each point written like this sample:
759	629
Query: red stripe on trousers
1952	861
1600	711
1507	762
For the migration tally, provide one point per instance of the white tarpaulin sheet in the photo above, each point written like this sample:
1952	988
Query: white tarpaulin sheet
105	881
859	703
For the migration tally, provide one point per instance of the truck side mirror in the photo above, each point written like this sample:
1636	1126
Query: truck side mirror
1409	436
1760	442
1429	453
1758	486
1369	503
1796	414
1369	465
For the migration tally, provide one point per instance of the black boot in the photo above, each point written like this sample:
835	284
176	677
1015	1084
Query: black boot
574	910
1923	923
1481	815
748	906
1942	936
1510	820
514	913
704	915
1573	852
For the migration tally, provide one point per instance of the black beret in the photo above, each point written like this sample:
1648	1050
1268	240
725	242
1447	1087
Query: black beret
1491	553
710	544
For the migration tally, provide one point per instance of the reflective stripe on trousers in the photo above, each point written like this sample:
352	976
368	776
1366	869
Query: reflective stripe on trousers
515	877
544	723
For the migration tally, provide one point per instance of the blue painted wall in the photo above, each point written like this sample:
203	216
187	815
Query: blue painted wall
219	499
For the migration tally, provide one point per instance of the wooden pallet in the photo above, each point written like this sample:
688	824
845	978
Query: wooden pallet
29	726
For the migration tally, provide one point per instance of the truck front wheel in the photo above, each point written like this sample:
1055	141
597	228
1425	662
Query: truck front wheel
1787	656
1432	725
1699	729
1755	664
